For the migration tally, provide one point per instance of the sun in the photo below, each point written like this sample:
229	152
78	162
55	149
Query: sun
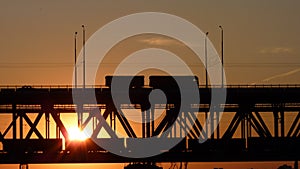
76	134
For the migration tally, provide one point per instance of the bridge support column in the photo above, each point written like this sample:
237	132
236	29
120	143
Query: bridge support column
15	116
276	120
148	123
21	124
212	124
80	115
152	121
218	124
245	127
282	123
296	165
57	128
112	120
143	124
250	127
184	128
47	125
243	124
206	125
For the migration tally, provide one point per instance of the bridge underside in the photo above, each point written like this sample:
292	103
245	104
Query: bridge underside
105	157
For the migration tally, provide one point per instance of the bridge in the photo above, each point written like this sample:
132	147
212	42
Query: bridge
262	124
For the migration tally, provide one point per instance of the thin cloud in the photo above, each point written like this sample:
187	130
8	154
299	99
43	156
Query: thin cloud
282	75
276	50
160	41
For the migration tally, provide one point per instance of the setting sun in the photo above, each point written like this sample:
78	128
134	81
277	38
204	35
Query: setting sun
76	134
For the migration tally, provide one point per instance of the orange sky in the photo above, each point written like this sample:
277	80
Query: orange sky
262	43
261	38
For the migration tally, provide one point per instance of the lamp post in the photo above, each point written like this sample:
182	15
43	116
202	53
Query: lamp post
206	79
83	46
222	53
75	57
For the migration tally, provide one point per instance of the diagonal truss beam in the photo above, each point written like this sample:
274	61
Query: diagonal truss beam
162	124
8	128
296	134
261	131
197	124
233	126
59	123
293	127
167	121
33	125
88	119
181	123
128	129
103	123
263	124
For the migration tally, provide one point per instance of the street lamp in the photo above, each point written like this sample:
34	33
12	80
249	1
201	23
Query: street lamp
222	53
206	79
83	46
75	56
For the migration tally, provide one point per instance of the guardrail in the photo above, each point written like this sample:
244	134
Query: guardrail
258	86
147	86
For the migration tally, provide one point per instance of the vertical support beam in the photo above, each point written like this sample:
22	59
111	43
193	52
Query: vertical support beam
174	126
245	109
296	165
180	127
249	132
148	123
14	117
248	128
243	135
206	125
112	116
276	119
282	122
47	125
21	125
185	129
218	124
143	124
114	121
212	124
80	114
152	120
57	128
94	123
169	118
111	119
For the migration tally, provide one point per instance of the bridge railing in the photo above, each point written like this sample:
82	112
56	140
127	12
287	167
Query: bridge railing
262	86
49	86
147	86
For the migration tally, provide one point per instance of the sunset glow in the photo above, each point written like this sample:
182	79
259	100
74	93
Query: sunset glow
150	84
76	134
